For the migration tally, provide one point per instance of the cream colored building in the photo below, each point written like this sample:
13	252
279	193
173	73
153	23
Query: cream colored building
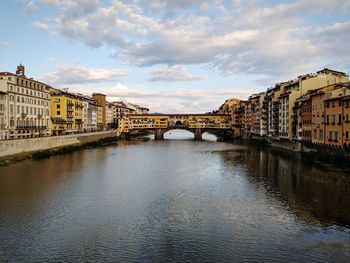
110	115
290	91
24	106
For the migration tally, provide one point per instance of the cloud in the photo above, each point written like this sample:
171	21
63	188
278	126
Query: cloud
179	101
81	75
230	37
172	73
31	7
41	25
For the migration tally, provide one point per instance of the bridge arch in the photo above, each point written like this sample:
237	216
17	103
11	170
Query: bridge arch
178	123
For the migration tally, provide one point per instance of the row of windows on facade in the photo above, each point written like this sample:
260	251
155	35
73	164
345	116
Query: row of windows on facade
76	114
28	92
29	123
28	84
29	110
28	100
332	135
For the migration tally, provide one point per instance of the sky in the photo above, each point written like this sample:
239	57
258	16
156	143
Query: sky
178	56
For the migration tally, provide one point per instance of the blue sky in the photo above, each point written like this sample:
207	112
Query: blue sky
173	56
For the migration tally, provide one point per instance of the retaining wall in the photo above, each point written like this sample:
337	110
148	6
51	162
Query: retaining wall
11	147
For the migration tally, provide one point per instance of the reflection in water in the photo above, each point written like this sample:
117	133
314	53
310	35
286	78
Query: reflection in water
173	201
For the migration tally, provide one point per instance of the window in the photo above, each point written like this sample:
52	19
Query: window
339	119
58	106
333	118
18	109
11	108
336	136
58	112
330	135
347	135
321	135
315	134
2	107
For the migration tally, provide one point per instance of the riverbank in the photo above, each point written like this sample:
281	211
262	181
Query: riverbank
36	148
334	158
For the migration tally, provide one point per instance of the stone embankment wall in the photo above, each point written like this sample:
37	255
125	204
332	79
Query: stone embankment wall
12	147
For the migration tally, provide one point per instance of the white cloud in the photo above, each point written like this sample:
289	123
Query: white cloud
245	37
81	75
41	25
180	101
172	73
31	7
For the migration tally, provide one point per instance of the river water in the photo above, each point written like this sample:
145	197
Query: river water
174	201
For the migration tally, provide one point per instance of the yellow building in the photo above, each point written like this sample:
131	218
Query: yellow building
67	112
100	117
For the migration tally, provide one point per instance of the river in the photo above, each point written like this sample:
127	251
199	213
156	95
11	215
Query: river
174	201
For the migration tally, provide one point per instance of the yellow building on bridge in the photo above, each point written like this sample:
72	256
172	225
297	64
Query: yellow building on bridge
161	123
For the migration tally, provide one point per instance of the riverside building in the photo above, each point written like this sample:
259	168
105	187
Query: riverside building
67	112
24	106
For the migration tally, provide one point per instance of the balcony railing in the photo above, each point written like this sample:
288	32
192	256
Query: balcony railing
30	127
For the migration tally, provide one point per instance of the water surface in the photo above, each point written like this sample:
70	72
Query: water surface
173	201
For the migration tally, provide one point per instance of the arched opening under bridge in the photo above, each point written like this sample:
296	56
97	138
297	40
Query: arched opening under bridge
178	134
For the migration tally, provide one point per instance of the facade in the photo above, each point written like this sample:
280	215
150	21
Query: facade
292	90
110	115
305	124
346	122
90	115
24	106
237	116
334	130
318	116
101	118
67	112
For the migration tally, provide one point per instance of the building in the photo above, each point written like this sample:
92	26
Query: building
110	122
294	89
237	115
318	115
226	107
67	112
346	122
334	106
101	119
304	118
90	114
136	109
24	106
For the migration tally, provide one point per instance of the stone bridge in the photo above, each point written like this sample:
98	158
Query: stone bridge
158	124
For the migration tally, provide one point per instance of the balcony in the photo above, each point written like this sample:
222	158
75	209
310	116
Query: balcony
25	127
23	115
